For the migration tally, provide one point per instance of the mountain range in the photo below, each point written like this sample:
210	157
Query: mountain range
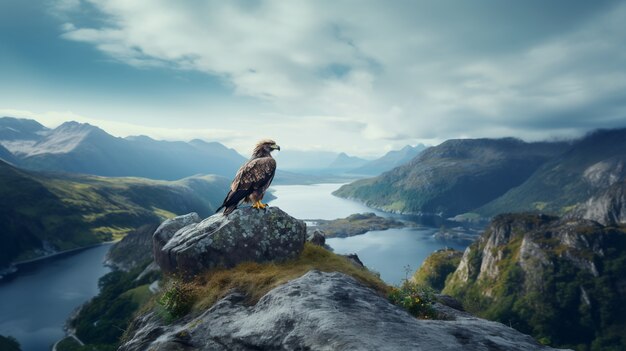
82	148
324	163
453	177
472	178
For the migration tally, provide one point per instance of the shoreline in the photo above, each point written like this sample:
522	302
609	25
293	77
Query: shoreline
13	268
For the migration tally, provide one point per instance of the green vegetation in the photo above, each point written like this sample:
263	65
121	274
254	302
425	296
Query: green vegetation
70	344
568	292
437	267
417	299
256	279
454	177
565	181
356	224
103	320
177	299
8	343
64	212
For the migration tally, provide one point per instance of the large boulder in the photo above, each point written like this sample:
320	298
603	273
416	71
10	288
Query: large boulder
247	234
321	311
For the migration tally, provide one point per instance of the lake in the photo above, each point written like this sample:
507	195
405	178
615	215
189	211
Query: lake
387	252
36	301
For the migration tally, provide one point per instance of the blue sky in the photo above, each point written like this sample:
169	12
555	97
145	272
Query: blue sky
362	77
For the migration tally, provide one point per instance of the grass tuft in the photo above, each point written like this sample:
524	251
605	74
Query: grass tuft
257	279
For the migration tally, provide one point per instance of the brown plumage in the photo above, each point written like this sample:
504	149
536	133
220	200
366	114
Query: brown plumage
253	178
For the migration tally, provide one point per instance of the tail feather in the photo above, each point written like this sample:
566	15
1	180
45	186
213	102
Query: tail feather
232	200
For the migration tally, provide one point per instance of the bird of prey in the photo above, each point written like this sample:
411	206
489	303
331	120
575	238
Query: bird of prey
253	178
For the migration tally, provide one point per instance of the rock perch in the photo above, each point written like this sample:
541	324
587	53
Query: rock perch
247	234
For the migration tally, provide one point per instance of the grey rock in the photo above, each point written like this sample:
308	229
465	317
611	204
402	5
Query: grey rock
321	311
167	229
134	250
607	207
355	260
317	238
247	234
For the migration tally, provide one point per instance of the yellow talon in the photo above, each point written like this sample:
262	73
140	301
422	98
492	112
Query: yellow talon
259	205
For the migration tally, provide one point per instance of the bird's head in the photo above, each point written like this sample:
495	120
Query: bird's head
264	148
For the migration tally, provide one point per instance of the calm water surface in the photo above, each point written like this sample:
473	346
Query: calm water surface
35	302
387	252
314	201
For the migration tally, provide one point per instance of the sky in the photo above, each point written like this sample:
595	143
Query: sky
362	77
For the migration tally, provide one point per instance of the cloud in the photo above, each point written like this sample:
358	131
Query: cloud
390	72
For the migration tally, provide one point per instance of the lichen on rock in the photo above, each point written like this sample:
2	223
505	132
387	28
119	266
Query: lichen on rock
224	241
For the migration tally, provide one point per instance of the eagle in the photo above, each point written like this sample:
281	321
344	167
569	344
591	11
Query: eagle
253	178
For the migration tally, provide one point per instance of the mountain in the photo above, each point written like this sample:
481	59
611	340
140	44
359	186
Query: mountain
453	177
390	160
607	207
561	280
20	129
589	166
83	148
345	162
42	213
6	155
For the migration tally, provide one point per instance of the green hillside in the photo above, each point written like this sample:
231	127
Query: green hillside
454	177
41	213
588	167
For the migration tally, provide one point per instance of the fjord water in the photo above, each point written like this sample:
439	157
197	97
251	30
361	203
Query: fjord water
36	301
387	252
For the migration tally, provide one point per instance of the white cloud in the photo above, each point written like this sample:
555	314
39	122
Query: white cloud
395	71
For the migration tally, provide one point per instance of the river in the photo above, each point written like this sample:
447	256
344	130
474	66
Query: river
36	301
392	253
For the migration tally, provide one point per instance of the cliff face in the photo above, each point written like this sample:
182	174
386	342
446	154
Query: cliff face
562	280
608	207
315	300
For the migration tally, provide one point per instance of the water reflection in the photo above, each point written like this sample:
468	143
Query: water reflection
386	252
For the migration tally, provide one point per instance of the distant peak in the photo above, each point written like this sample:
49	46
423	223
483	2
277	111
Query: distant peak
76	126
139	138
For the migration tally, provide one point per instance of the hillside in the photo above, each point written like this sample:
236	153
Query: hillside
83	148
592	164
390	160
454	177
561	280
6	155
42	213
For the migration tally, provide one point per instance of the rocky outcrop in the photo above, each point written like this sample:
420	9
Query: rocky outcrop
134	250
166	231
608	207
321	311
546	275
245	235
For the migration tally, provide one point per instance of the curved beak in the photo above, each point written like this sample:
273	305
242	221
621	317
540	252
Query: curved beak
275	147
